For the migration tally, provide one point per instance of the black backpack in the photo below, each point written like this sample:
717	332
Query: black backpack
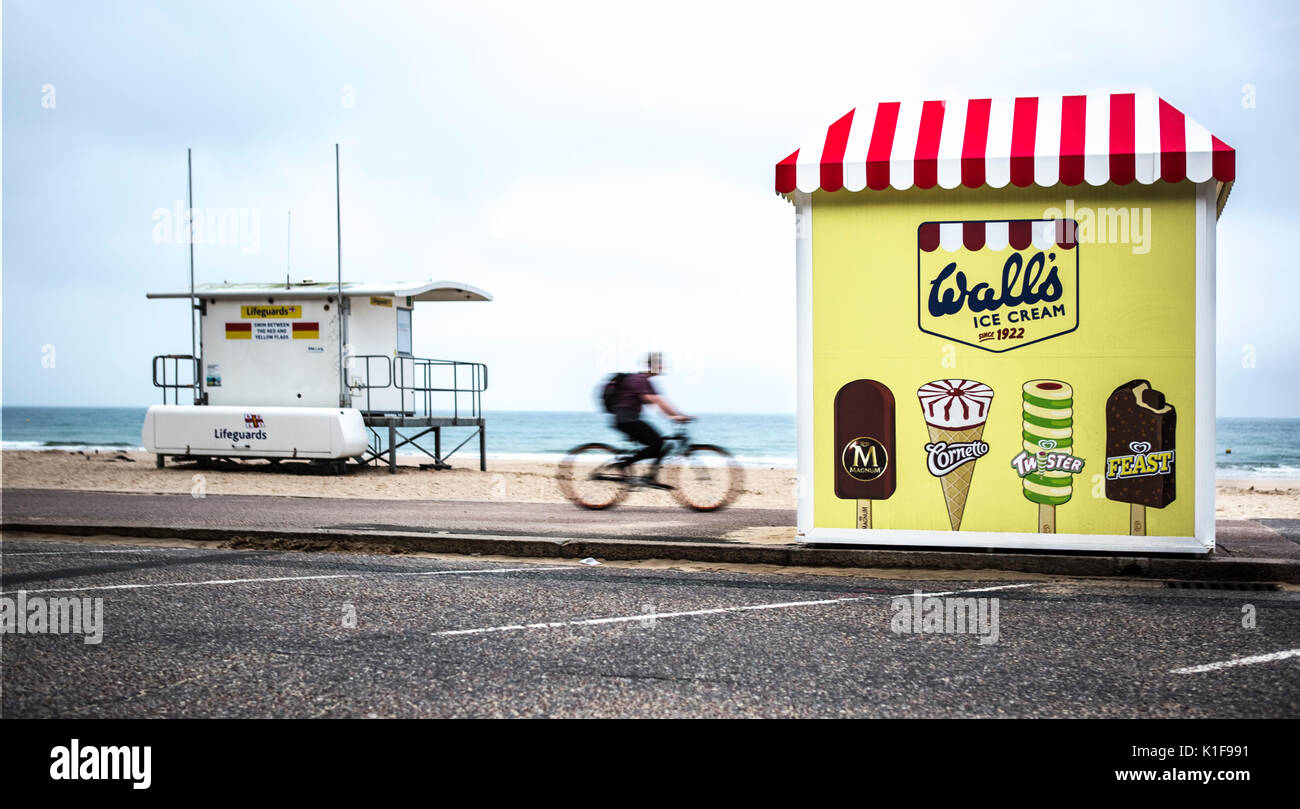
610	392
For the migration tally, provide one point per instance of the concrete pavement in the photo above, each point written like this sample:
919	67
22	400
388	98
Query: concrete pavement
1248	551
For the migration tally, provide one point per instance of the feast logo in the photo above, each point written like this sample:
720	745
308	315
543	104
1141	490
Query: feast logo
1142	463
998	284
944	457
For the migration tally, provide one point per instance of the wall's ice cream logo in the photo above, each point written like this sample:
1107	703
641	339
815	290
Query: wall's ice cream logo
955	412
1046	463
1140	427
998	285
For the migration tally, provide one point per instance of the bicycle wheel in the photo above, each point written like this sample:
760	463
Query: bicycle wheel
588	479
705	477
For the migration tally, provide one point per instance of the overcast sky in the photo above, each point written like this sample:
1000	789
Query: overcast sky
603	169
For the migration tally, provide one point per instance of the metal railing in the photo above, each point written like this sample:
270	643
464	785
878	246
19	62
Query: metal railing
175	385
433	386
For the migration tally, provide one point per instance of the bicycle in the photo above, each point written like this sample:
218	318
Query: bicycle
703	477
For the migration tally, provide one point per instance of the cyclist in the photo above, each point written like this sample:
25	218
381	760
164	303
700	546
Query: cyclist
635	391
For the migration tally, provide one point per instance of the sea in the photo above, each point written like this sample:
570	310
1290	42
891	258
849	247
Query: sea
1245	448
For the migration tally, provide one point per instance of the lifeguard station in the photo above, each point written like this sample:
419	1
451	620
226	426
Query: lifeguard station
313	370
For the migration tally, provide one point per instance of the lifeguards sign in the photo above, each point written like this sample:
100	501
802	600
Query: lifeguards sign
968	273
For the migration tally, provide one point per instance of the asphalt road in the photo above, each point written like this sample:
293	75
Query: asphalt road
208	632
301	513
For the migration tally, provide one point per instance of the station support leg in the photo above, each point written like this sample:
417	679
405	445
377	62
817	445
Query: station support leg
482	448
437	444
392	449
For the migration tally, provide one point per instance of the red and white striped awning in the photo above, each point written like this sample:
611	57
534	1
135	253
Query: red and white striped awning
1096	138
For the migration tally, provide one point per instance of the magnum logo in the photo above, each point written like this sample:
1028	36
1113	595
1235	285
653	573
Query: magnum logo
1000	284
865	459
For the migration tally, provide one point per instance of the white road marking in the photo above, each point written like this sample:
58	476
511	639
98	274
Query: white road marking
284	578
621	619
78	553
1237	661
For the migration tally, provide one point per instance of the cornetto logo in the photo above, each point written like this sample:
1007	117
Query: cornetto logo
942	457
865	459
998	284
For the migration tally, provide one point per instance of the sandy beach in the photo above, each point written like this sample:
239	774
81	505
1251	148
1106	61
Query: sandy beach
516	481
513	480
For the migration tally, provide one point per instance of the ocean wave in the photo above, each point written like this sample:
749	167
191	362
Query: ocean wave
69	446
1257	472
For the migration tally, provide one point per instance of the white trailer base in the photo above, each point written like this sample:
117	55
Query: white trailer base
325	433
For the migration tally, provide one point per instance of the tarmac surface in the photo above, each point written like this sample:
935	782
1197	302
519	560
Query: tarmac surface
209	632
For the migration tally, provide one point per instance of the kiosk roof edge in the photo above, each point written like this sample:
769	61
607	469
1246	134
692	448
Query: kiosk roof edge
1097	138
417	290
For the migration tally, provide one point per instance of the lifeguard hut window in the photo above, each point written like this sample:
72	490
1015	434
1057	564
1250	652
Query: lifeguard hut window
404	333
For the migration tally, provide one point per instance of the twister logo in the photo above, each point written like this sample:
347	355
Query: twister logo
1046	460
998	285
1142	463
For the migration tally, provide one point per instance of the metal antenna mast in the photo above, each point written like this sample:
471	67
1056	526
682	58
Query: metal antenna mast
194	348
338	224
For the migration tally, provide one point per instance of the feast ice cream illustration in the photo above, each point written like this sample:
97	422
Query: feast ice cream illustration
1140	427
1046	464
955	412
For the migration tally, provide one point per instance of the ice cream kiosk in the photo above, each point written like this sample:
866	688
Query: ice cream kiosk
1006	324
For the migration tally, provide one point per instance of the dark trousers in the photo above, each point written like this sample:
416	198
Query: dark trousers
643	433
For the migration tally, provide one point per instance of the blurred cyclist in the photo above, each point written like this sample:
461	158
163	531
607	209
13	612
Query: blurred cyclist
634	391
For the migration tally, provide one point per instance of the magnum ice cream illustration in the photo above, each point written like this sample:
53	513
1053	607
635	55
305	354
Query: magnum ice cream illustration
864	446
1046	464
955	412
1140	428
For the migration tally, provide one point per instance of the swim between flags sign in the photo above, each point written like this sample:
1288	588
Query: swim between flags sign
273	330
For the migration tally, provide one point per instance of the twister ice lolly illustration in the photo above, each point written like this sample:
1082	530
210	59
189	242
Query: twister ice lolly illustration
1140	427
1046	465
955	412
864	445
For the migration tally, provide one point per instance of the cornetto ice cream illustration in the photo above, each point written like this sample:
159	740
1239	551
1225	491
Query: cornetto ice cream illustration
865	455
1000	284
955	412
1140	428
1046	463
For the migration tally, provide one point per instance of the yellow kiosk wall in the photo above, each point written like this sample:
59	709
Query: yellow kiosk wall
1136	320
